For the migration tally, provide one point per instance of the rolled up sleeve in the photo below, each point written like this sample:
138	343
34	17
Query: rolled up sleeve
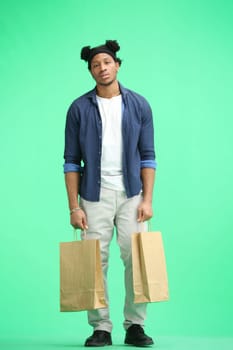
146	139
72	152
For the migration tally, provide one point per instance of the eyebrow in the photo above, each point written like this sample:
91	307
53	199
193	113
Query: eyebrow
104	58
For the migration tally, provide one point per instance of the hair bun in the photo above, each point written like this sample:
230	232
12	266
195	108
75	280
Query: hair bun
85	53
112	45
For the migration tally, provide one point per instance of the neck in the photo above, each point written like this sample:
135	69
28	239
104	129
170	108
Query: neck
108	91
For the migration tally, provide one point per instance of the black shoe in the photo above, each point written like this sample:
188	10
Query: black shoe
135	336
99	338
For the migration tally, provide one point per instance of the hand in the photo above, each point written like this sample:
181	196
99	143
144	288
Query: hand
145	211
78	219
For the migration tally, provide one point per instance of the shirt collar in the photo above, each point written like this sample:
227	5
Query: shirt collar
123	90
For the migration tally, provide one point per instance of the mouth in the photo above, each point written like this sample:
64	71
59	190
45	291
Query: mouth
104	76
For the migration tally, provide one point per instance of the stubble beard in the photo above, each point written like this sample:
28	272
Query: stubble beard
106	84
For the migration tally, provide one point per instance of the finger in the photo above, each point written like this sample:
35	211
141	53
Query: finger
76	223
84	224
140	215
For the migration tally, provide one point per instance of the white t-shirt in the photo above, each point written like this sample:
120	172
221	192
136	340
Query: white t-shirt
112	147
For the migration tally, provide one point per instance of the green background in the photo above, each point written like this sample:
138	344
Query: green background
178	54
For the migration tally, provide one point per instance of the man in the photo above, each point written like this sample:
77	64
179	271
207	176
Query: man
110	162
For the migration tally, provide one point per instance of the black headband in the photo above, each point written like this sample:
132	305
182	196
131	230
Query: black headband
110	47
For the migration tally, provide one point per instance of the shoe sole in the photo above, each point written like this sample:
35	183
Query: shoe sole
97	345
139	344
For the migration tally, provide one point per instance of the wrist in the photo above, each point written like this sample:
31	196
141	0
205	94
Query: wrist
146	199
73	210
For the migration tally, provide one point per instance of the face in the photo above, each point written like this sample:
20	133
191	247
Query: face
104	69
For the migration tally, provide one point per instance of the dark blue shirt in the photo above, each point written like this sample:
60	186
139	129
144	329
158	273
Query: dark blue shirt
83	142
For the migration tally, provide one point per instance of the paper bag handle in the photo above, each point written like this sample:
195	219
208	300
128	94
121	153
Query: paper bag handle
75	233
148	225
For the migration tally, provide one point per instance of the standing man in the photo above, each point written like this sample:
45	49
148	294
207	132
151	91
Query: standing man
109	174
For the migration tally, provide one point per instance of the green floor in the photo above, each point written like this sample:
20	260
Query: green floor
163	343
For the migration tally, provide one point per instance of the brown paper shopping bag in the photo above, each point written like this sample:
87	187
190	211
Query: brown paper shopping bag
149	268
81	276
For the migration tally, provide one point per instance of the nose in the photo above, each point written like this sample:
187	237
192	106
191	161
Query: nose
102	67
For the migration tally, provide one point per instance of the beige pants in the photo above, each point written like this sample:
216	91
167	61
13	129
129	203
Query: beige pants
115	210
